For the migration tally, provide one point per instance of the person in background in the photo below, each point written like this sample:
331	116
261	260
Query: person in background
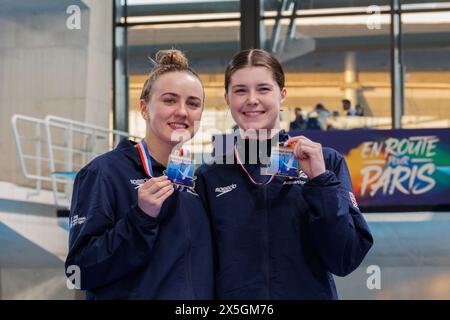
332	122
299	121
312	122
322	115
359	111
347	106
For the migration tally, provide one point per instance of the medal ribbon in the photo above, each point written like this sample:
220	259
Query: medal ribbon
145	158
236	154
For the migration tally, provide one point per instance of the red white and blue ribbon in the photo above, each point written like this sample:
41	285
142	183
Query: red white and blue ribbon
236	154
145	158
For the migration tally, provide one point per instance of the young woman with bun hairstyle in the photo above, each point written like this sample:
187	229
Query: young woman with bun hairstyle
133	235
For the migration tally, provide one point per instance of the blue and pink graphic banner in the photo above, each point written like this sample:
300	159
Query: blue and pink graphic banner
396	167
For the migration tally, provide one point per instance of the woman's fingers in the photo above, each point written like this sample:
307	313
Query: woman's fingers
309	155
152	181
153	194
306	146
303	151
161	192
294	140
166	194
158	186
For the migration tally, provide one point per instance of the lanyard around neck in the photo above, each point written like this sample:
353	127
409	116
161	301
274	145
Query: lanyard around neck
145	158
236	154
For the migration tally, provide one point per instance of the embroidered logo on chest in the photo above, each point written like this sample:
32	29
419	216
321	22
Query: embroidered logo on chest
222	190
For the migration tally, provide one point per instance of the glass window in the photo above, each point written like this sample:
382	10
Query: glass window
426	52
421	4
321	6
331	58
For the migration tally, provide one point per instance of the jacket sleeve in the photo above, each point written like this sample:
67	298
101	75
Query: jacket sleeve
103	248
338	229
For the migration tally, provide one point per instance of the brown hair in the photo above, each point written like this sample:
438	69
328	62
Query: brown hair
255	58
166	61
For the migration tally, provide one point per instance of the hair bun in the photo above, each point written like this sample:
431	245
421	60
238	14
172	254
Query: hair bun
171	57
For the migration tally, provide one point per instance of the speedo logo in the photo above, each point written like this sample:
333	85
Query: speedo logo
223	190
138	182
296	181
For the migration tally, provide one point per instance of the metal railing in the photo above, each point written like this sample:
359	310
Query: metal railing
54	149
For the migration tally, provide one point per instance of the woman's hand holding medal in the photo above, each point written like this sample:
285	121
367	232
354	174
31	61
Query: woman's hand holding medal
309	155
153	193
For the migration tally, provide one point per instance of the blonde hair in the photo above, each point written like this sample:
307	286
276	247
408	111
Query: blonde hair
166	61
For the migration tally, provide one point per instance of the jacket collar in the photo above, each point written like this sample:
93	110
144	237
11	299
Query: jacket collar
129	149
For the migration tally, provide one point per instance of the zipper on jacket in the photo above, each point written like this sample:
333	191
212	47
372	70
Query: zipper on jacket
188	257
266	254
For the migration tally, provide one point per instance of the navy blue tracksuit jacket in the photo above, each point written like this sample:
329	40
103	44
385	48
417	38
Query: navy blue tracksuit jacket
283	240
125	254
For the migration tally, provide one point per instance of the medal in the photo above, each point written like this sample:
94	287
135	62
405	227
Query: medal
180	169
283	162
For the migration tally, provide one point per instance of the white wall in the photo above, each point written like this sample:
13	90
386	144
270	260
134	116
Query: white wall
45	68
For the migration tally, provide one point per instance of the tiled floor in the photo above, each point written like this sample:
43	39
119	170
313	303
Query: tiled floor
411	252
